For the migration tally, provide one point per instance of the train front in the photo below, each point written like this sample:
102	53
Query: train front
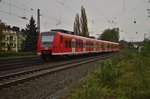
45	44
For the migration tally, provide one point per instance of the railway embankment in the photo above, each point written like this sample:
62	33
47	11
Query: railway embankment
124	77
45	78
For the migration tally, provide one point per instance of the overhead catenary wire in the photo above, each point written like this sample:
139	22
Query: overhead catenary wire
15	6
62	4
30	8
22	17
42	15
21	8
127	11
99	12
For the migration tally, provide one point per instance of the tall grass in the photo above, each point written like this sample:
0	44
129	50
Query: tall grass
122	77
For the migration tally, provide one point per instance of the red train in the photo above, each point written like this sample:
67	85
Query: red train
56	43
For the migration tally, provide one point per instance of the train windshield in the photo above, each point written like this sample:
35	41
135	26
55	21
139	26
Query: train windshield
47	38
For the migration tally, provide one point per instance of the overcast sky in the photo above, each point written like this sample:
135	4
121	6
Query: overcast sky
130	16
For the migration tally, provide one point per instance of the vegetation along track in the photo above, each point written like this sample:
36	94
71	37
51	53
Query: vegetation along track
23	76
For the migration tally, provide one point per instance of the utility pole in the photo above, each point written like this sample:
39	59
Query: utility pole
38	20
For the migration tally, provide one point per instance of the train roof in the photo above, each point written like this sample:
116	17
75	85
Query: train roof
69	33
63	31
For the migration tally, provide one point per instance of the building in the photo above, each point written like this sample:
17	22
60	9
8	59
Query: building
12	39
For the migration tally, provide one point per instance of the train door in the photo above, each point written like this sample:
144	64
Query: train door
94	46
84	48
73	46
61	43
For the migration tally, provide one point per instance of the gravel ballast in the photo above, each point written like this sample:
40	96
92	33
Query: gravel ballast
44	87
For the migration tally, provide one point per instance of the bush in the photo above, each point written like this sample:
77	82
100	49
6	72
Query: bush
146	48
122	77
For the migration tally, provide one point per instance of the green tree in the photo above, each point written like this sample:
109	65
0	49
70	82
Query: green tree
2	27
30	43
84	23
77	30
124	45
146	47
110	35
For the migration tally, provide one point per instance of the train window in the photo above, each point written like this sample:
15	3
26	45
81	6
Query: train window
87	44
47	38
61	38
84	44
97	45
102	45
77	44
80	44
107	45
66	44
92	44
69	44
112	46
73	44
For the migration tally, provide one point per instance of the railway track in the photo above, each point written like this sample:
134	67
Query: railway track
26	75
16	63
13	63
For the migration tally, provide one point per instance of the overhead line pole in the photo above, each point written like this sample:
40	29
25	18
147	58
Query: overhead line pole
38	20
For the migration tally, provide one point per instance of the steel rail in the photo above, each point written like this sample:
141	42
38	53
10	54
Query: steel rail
32	74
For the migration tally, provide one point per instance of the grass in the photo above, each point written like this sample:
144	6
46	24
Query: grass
121	77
